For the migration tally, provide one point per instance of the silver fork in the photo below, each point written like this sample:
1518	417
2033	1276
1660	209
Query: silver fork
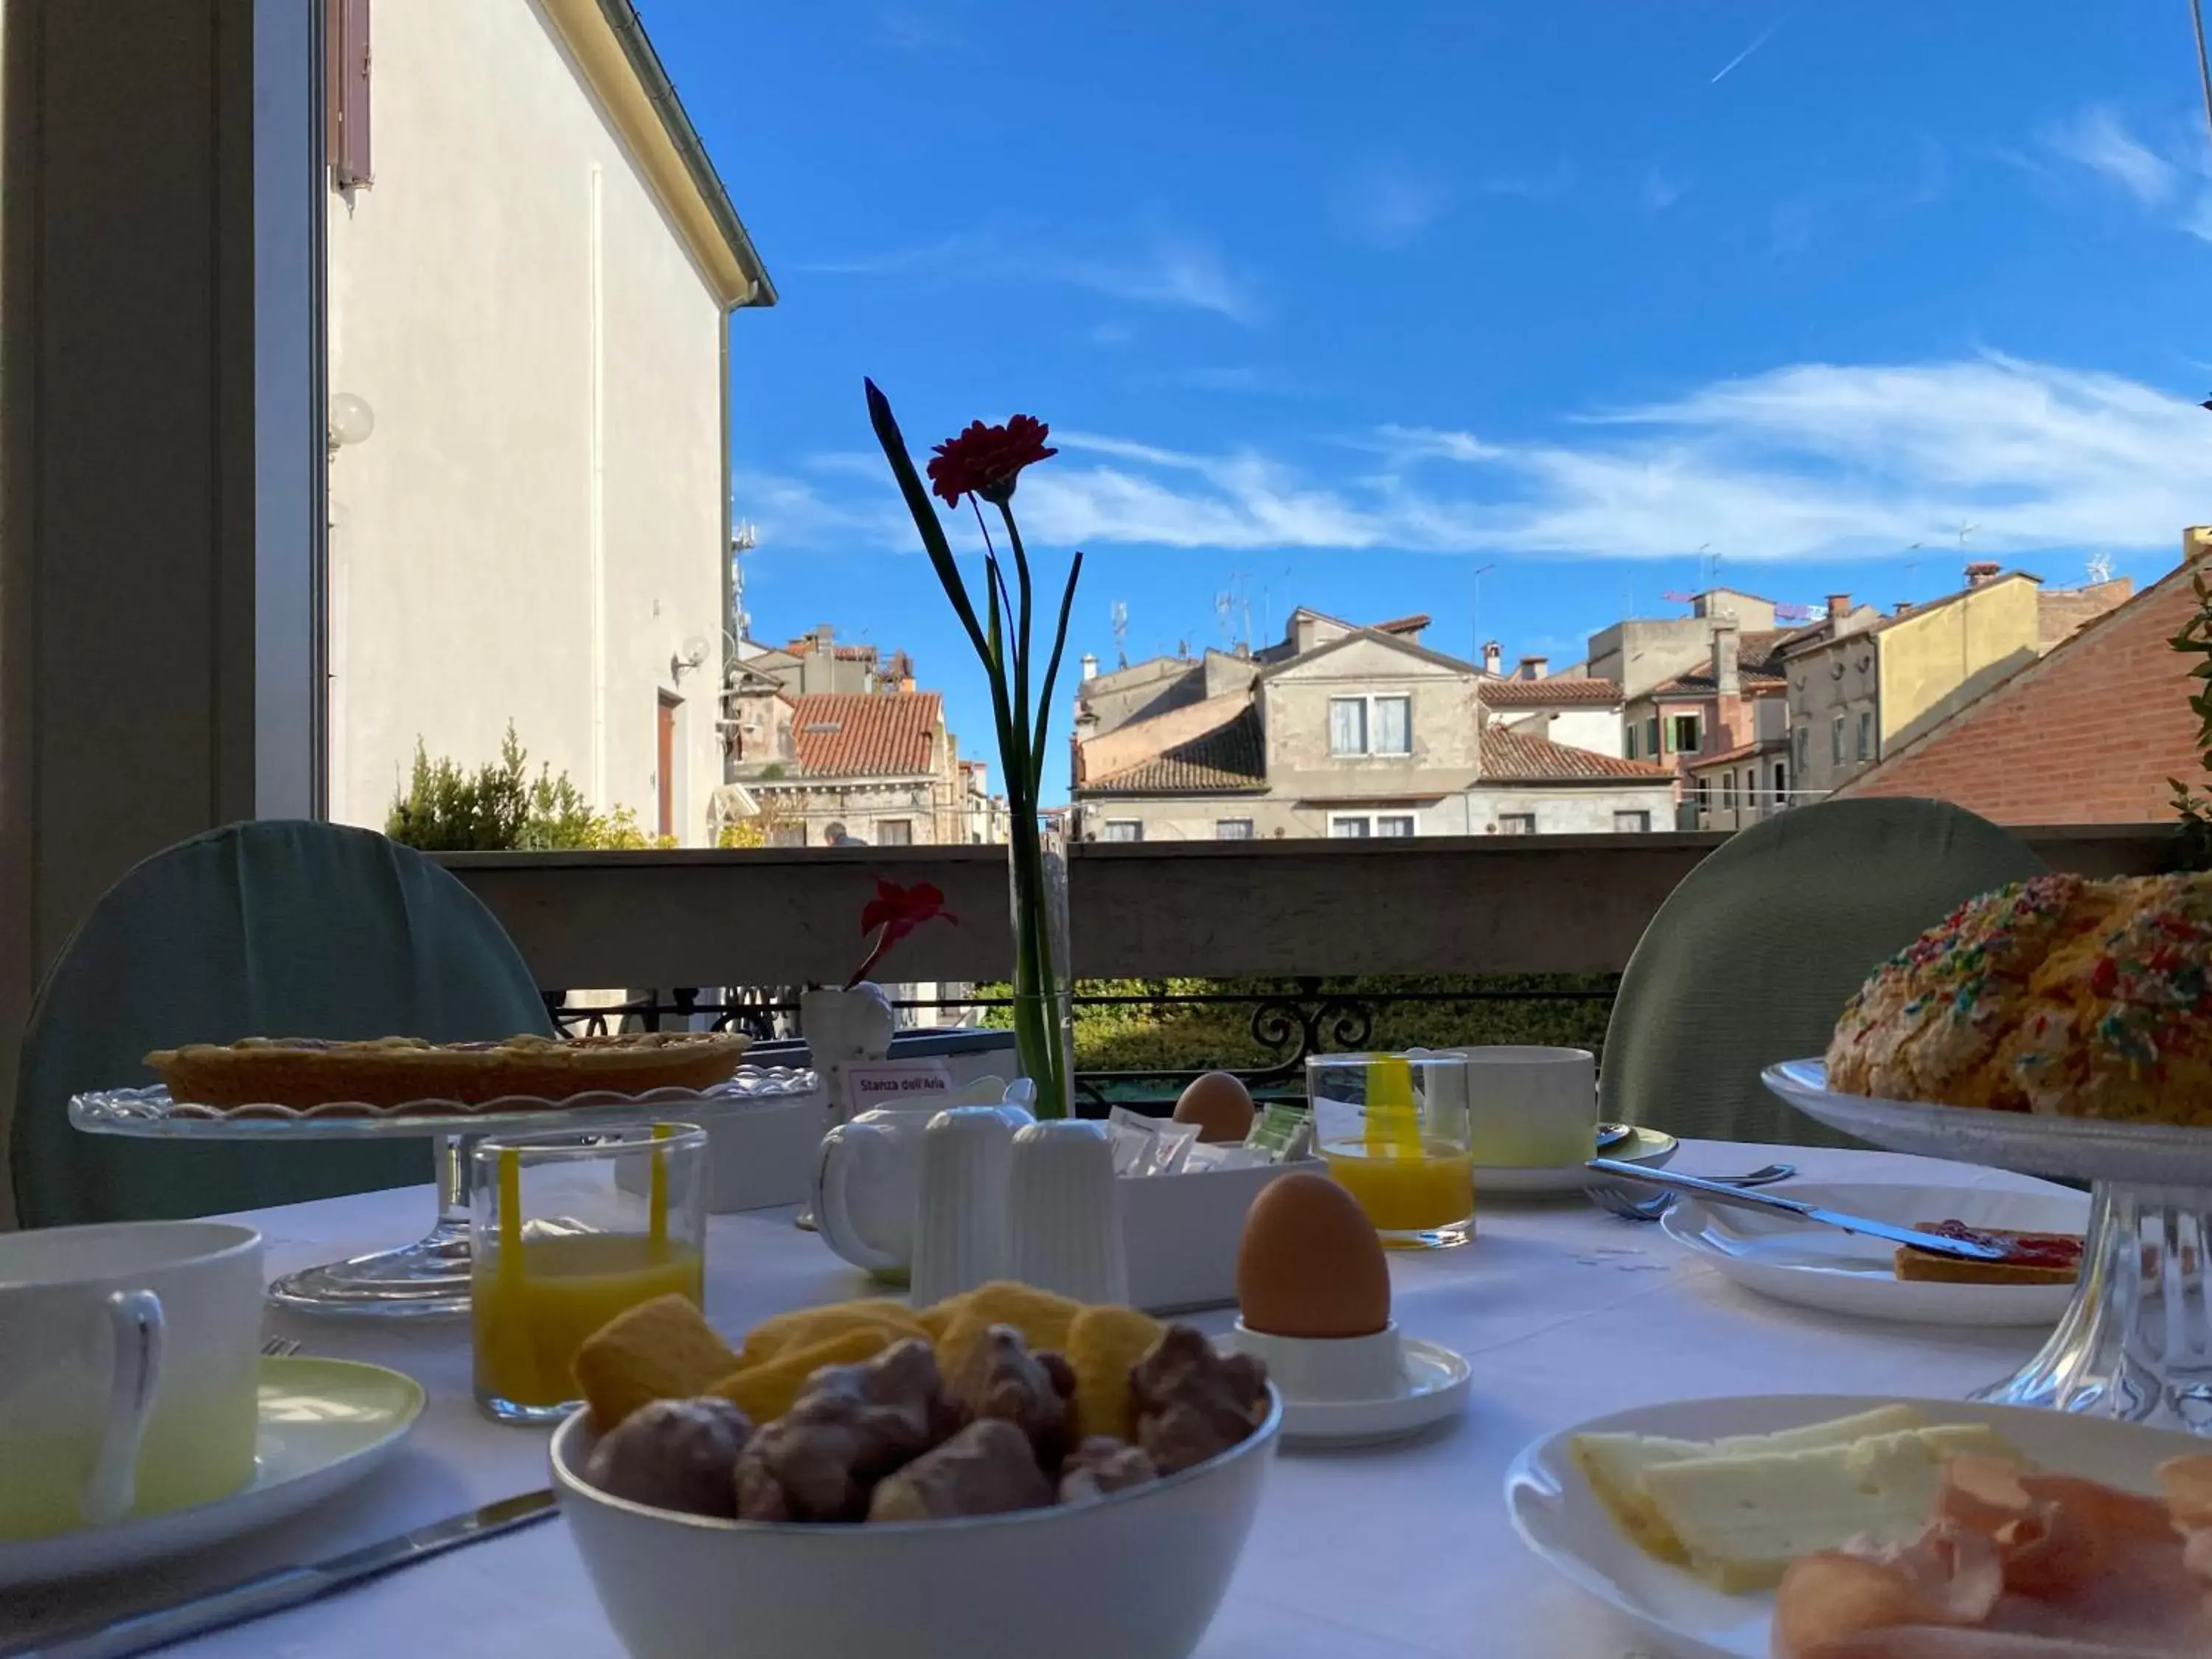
1614	1198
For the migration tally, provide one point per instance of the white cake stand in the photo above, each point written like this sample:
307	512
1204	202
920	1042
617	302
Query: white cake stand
430	1277
2136	1342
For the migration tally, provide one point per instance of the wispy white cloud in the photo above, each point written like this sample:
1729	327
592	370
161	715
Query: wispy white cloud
2097	139
1662	189
1811	461
1166	269
1389	206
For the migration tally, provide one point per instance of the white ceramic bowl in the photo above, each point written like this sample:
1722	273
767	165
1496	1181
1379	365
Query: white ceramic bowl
1134	1575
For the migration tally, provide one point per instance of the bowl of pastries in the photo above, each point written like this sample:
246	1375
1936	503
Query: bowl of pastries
1004	1473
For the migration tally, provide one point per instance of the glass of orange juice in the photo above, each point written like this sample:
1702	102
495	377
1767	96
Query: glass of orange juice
1394	1130
569	1230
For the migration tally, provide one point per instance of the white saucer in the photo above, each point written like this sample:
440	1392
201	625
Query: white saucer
1820	1267
325	1423
1438	1382
1646	1147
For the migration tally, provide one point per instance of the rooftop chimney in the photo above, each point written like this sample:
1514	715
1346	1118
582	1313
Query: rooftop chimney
824	639
1904	608
1981	571
2195	543
1493	657
1089	666
1728	677
1839	606
1531	668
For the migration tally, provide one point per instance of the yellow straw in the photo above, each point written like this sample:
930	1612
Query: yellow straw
1392	1126
510	1215
658	1202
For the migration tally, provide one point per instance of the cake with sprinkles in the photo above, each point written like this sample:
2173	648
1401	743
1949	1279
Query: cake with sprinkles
2059	995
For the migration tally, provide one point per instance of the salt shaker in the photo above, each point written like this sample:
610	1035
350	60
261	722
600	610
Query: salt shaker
1063	1215
960	1210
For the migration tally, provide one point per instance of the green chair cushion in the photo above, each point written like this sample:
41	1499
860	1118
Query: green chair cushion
273	928
1750	959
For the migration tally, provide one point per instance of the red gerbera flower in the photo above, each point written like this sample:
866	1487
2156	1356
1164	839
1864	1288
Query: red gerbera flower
894	913
986	460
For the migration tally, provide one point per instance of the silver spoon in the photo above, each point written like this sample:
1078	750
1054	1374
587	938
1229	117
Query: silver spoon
1616	1200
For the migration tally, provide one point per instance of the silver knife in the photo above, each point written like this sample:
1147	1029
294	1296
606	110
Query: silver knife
1960	1249
286	1587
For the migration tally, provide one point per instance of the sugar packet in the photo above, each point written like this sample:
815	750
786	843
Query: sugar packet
1148	1146
1282	1133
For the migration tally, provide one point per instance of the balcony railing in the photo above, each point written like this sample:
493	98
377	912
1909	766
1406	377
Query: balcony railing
1306	912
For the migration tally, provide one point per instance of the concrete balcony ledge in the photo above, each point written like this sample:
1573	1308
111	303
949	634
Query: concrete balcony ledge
1428	905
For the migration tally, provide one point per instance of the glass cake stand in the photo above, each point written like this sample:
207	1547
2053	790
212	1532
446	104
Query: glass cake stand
430	1277
2136	1344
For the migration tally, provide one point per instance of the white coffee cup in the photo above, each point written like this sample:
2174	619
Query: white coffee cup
867	1177
1531	1108
129	1356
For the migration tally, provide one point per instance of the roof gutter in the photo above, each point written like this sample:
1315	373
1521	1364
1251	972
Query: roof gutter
630	30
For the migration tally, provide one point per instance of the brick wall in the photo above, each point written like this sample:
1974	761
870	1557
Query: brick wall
2088	735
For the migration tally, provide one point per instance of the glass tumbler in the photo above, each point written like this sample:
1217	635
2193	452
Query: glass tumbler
1393	1131
567	1230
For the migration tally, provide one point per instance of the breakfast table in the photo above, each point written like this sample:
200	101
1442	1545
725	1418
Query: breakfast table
1563	1312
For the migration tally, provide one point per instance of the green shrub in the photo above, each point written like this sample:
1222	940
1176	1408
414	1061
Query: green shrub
503	809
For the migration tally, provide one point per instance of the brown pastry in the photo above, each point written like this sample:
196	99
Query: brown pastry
304	1074
987	1468
674	1454
853	1426
2029	1258
1001	1378
1102	1464
1191	1402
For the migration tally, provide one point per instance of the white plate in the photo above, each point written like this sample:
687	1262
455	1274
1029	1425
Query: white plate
1438	1380
1645	1146
1559	1518
1842	1272
325	1423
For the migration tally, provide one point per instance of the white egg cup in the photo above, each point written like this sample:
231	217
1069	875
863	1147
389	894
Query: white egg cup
1306	1368
1357	1390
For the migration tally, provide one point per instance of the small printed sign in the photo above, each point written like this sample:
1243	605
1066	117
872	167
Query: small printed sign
869	1083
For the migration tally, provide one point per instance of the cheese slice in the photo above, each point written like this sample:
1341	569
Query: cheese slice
1741	1521
1615	1465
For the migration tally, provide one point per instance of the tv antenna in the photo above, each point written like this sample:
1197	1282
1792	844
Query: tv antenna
1709	563
2100	568
1120	633
1964	531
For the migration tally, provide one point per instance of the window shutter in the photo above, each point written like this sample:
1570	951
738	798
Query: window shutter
346	63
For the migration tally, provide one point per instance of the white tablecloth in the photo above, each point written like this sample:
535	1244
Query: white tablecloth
1565	1313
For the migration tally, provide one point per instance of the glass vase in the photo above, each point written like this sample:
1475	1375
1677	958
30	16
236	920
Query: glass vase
1043	998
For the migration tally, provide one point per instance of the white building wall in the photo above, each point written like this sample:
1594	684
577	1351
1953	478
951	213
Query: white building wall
1595	729
533	529
1570	811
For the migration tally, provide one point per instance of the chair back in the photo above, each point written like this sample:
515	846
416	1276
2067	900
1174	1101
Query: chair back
1750	959
272	928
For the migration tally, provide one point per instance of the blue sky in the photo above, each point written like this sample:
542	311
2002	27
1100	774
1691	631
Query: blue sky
1337	304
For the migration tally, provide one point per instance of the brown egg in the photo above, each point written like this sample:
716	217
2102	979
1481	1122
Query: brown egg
1309	1264
1220	1105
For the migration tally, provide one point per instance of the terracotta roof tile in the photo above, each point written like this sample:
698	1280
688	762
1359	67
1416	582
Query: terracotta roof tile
1548	693
1741	752
1513	757
1229	758
842	734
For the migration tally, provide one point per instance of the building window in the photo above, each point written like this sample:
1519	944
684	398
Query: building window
1393	726
1632	740
1348	726
1370	726
1631	822
1781	783
1652	737
1232	829
1516	824
894	832
1682	734
1836	740
1349	829
1697	793
1750	786
1866	737
1394	823
1727	792
1124	829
